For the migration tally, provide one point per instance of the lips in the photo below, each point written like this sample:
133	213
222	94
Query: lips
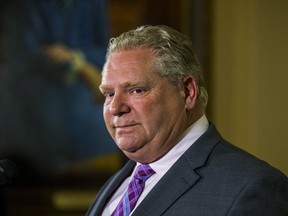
125	128
125	125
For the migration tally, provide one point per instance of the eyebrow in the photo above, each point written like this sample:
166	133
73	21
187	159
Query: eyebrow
128	84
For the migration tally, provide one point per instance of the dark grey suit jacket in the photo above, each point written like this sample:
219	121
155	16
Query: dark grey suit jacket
213	178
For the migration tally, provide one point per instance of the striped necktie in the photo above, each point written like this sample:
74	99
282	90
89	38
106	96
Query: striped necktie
135	188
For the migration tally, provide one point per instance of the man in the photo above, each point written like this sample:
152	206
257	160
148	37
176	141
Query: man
154	109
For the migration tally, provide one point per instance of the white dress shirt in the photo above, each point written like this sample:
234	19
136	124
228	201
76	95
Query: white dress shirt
160	166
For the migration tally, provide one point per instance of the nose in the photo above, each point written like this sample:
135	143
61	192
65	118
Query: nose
119	106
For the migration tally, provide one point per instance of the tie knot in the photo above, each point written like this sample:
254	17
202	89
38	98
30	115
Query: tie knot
143	172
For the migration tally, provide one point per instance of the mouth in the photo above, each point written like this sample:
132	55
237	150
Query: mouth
126	128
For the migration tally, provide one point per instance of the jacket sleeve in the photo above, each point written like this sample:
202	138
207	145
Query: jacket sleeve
264	195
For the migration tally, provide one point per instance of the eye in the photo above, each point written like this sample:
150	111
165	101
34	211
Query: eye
137	91
108	94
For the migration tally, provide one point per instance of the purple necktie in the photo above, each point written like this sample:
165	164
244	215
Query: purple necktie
135	188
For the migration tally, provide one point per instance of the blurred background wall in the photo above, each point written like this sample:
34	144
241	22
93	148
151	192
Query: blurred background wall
249	91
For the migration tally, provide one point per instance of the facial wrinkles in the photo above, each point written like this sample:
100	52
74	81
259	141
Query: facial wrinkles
173	129
167	133
159	111
166	137
121	87
133	116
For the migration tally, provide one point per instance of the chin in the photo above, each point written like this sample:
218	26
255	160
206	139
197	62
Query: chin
138	157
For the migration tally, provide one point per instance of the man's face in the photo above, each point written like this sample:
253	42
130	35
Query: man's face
144	113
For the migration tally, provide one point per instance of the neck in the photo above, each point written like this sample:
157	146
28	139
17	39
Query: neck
194	114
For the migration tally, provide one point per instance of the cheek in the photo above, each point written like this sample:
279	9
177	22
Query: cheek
164	116
108	119
105	115
153	117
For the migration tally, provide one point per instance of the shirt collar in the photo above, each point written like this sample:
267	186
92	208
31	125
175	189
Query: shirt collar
189	136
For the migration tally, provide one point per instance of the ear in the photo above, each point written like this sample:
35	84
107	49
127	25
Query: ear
191	92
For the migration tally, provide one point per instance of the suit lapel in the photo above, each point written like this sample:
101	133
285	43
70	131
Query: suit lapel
166	191
110	188
181	176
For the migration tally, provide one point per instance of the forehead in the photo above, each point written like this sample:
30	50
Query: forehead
129	64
